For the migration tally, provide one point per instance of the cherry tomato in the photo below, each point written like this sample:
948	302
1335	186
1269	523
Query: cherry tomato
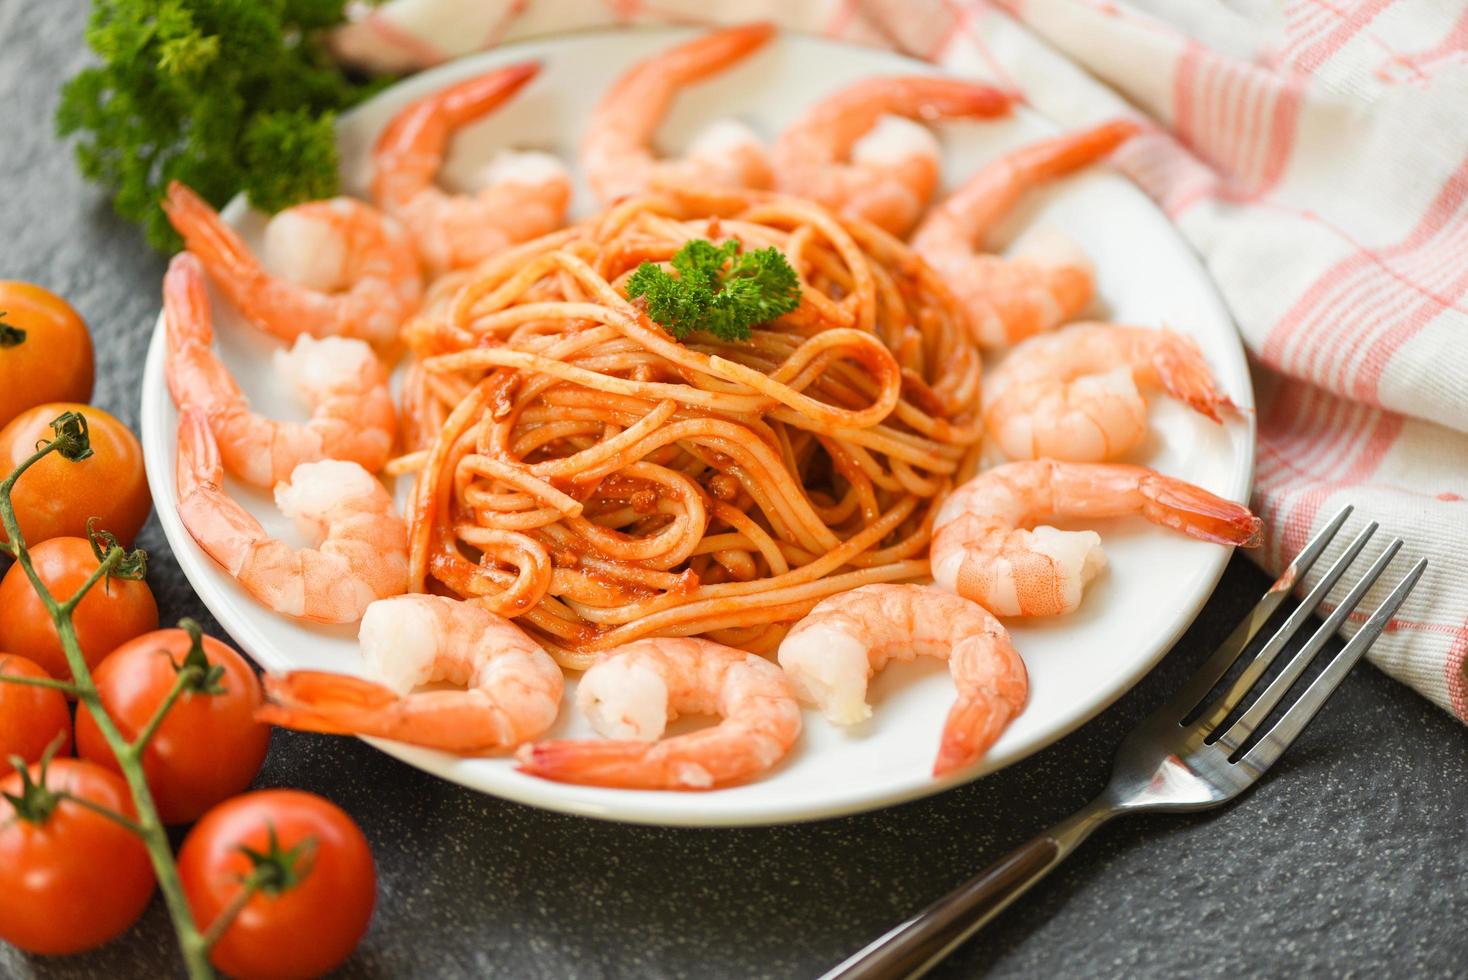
208	747
52	362
309	922
74	878
56	497
30	717
113	612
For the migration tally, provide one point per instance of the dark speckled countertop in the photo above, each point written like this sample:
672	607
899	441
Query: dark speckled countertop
1348	860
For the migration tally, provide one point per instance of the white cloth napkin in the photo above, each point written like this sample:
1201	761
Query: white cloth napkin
1316	156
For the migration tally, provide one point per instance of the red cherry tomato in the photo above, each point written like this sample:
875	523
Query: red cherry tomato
113	612
52	362
315	917
30	717
209	745
75	878
56	496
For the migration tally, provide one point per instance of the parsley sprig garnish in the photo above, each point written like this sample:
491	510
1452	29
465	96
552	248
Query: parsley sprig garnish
224	95
718	289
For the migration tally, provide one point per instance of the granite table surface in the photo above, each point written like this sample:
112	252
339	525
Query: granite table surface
1348	859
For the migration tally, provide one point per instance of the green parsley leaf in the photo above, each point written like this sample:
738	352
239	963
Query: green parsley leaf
718	289
224	95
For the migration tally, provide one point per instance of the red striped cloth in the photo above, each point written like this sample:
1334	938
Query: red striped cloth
1314	152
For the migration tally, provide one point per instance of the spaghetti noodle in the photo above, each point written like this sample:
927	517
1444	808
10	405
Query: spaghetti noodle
585	473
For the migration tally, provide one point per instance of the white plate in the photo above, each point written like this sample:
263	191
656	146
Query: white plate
1078	665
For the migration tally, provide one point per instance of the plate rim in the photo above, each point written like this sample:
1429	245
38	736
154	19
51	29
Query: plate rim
158	446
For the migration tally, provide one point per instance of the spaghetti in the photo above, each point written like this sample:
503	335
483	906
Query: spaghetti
585	473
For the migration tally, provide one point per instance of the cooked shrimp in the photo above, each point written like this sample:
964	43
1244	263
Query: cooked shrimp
512	687
1074	395
335	268
987	548
850	154
1048	280
521	195
630	695
832	653
341	379
361	551
616	151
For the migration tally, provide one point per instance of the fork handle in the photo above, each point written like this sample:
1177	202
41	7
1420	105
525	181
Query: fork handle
917	945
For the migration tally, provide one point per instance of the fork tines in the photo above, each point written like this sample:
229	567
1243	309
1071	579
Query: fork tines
1190	707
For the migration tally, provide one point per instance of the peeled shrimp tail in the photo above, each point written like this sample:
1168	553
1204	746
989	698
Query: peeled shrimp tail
660	78
1181	506
199	468
832	127
616	151
206	235
463	103
188	369
972	726
982	201
223	528
409	151
1185	375
317	701
698	761
979	717
186	302
625	764
465	722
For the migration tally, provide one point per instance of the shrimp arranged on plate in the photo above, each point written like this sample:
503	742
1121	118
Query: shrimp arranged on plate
522	195
1073	394
341	379
616	151
631	694
987	547
860	152
334	268
1048	280
361	551
511	687
832	653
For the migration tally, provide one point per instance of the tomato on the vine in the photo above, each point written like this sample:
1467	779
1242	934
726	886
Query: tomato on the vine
208	746
70	878
31	717
113	612
45	351
317	882
56	496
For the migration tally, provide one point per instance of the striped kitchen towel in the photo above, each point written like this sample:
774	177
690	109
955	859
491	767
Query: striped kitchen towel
1314	152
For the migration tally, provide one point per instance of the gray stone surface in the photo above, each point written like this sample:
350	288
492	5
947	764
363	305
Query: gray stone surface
1348	860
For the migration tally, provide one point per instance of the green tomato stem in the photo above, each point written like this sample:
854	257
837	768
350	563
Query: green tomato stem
105	811
104	567
71	690
226	915
183	679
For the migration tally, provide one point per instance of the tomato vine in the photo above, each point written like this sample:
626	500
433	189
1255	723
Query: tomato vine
70	441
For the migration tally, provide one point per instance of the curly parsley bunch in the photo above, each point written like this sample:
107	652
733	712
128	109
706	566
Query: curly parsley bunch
223	95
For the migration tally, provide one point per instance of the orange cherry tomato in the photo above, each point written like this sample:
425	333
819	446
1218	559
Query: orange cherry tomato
314	917
56	497
209	745
73	879
52	362
30	717
113	612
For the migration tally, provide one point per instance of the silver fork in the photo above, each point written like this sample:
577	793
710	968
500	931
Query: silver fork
1176	760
